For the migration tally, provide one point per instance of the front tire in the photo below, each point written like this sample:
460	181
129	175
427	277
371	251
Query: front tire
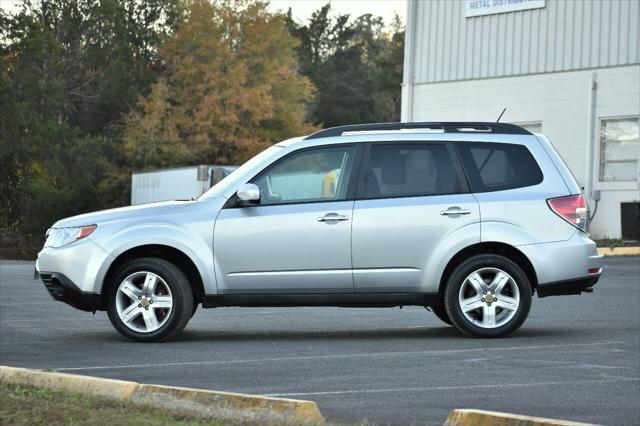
441	313
488	296
149	300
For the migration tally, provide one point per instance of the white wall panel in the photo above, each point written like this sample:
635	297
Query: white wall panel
565	35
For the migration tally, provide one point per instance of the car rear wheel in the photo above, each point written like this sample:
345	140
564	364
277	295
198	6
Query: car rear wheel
149	300
488	296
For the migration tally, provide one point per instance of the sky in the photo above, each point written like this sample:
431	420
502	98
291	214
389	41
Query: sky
302	9
10	5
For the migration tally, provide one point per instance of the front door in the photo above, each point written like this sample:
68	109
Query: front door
413	197
298	238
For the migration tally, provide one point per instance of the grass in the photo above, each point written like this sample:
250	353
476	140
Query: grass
612	243
25	405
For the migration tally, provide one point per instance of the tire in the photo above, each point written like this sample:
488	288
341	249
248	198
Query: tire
441	313
488	296
149	280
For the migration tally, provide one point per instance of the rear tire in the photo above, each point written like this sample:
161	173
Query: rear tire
441	313
488	296
149	300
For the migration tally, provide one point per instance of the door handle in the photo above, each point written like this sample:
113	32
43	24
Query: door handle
454	210
329	217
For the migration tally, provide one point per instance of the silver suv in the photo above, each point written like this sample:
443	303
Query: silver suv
468	220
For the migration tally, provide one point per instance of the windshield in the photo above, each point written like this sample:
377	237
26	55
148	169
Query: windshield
238	173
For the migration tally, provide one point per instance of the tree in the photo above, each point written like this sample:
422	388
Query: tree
388	76
232	85
68	71
90	90
151	135
356	67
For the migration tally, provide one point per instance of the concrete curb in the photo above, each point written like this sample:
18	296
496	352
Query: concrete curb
205	403
461	417
115	389
619	251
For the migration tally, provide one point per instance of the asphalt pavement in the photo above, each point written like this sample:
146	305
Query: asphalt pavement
576	357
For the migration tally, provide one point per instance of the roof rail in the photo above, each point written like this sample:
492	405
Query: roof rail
447	127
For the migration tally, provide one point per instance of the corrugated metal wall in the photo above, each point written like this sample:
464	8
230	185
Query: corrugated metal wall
565	35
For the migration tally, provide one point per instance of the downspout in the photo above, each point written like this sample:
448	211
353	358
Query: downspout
409	61
588	184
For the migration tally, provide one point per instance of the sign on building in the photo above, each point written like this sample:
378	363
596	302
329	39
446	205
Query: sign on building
490	7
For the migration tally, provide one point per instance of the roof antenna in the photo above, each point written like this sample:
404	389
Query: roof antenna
501	114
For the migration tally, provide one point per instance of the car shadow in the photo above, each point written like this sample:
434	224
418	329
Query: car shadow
248	334
448	333
285	334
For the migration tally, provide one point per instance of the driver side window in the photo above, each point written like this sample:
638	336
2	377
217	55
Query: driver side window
311	175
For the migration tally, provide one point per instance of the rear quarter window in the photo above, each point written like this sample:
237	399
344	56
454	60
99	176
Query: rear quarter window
498	166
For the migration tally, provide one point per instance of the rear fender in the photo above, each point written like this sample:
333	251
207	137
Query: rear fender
443	252
507	233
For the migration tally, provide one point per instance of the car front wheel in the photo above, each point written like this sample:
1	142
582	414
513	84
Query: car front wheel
441	313
149	300
488	296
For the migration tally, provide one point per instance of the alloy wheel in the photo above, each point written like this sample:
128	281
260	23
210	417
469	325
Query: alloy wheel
489	297
144	302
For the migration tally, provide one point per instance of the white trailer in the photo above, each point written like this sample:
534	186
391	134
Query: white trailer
180	183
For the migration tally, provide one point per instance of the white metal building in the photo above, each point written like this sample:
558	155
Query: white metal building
567	68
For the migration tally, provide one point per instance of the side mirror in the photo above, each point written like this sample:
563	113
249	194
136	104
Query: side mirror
248	194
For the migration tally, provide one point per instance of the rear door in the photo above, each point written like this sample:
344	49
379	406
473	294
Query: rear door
410	197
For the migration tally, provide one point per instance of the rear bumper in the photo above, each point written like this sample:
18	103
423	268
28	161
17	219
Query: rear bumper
567	287
564	261
64	290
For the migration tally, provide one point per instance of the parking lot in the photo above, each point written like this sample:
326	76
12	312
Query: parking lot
576	358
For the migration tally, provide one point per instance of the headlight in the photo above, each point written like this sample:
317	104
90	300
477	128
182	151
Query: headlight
58	237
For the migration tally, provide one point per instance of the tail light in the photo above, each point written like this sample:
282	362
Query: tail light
573	209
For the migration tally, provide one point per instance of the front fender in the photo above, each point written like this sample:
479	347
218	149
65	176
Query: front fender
192	242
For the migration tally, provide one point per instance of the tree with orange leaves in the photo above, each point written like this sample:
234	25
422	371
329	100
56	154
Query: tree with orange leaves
231	88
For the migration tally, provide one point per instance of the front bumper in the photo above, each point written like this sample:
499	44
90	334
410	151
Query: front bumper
80	262
64	290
